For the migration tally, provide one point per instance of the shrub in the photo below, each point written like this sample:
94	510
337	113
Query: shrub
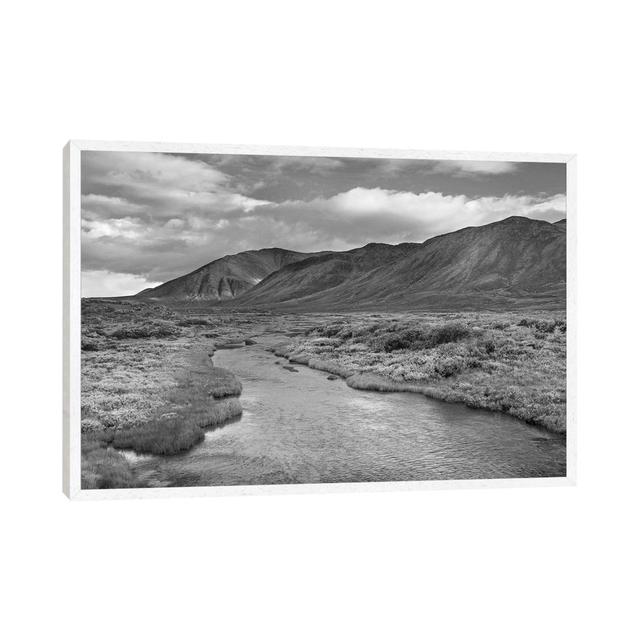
87	344
326	342
90	424
191	322
487	345
155	329
331	330
450	332
407	339
544	326
447	367
420	338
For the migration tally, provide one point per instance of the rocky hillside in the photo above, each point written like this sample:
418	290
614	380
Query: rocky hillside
516	259
514	262
225	278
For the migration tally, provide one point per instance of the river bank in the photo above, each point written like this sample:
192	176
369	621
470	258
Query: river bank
148	386
298	426
513	365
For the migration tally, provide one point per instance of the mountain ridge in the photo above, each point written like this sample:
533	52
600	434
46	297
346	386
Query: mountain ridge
513	258
226	277
501	263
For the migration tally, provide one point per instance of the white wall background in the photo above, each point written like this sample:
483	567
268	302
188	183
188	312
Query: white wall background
504	76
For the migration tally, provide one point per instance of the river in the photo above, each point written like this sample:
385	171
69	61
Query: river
300	427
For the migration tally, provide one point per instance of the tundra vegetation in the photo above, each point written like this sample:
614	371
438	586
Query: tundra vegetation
148	384
508	362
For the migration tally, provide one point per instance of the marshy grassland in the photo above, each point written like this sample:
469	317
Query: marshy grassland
149	386
513	363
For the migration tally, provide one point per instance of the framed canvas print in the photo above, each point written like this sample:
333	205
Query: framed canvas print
275	319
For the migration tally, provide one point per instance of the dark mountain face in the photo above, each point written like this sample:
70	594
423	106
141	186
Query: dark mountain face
225	278
508	263
517	254
501	263
318	275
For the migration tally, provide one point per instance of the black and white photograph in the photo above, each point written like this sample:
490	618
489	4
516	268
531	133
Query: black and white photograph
320	320
297	319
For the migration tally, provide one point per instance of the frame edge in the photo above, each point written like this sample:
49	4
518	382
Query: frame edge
66	423
71	296
572	318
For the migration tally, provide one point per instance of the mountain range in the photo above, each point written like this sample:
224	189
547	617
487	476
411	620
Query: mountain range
227	277
515	262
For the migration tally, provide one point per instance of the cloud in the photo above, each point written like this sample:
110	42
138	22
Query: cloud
310	164
96	206
276	164
106	283
113	228
144	169
474	167
363	215
155	186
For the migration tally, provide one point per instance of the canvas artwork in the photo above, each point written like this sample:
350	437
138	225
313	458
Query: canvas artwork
281	319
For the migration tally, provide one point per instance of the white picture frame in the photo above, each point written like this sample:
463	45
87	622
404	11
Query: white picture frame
71	458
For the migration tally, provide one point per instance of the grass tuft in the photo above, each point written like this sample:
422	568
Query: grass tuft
172	434
104	468
224	383
165	436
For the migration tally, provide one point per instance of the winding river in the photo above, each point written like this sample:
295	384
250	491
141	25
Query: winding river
300	427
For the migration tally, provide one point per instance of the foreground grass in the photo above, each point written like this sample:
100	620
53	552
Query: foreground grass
148	385
502	362
167	436
104	468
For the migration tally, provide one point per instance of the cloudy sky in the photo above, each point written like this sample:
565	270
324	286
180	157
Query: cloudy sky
150	217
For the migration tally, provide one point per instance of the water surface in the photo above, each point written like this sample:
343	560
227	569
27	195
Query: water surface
299	427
